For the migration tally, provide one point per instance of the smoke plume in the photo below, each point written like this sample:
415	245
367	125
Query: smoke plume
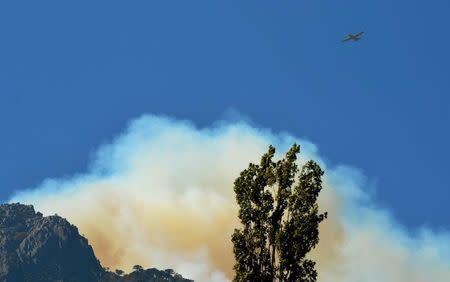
161	195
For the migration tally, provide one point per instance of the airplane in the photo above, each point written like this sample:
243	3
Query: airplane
354	37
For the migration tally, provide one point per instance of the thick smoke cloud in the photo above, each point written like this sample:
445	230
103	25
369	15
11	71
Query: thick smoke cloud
160	195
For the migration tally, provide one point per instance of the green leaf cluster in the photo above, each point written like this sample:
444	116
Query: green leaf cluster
279	217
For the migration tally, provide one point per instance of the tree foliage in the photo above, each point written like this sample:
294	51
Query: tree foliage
280	219
119	272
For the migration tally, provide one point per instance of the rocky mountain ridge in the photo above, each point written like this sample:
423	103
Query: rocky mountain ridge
37	248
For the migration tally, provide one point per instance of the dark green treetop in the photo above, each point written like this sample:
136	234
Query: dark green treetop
279	217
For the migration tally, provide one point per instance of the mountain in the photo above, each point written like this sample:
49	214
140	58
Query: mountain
37	248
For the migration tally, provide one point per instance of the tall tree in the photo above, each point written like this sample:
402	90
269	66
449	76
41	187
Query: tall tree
280	219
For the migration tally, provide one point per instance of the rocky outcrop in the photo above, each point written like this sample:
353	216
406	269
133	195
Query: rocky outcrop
36	248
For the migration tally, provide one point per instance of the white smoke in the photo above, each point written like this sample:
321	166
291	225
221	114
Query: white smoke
161	195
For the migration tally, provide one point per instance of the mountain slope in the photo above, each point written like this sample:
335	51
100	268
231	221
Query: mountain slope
37	248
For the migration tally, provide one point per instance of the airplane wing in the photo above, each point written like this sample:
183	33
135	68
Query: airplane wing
359	34
348	38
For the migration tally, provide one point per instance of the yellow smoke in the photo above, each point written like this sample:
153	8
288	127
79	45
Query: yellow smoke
161	196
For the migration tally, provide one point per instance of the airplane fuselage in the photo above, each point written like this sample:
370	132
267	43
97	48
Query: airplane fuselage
353	37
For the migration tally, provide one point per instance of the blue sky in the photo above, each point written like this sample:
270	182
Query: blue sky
73	74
